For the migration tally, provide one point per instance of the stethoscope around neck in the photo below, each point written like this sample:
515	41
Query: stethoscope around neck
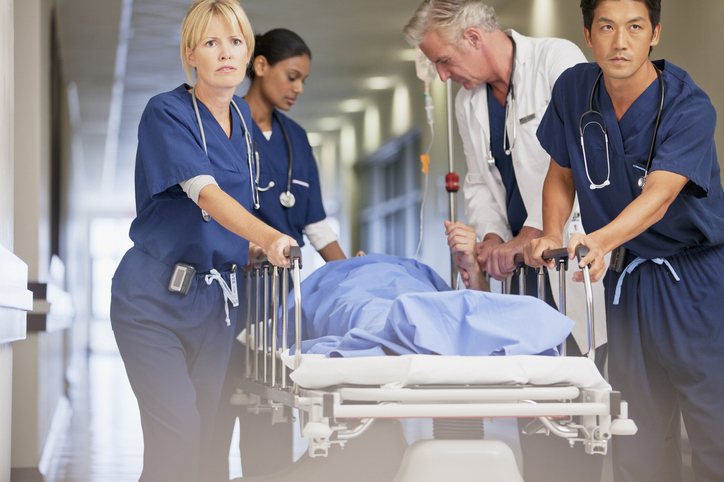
286	198
508	142
602	125
247	138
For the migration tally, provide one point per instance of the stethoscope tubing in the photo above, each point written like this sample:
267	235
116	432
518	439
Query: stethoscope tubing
249	149
286	198
509	105
592	111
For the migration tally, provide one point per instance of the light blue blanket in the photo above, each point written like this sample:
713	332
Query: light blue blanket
387	305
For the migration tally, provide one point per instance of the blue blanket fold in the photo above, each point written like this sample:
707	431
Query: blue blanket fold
386	305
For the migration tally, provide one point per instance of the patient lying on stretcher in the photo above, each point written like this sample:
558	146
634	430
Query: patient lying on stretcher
386	305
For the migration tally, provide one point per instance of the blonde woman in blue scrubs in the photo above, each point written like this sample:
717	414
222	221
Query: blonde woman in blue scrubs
174	295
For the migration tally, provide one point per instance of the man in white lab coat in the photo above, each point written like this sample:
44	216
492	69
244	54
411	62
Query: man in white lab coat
508	79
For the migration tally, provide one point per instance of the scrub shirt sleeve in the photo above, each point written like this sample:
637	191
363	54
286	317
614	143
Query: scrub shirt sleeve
315	206
168	148
688	143
551	132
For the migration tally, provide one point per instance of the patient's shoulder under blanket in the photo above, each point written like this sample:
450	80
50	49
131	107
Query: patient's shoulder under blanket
381	305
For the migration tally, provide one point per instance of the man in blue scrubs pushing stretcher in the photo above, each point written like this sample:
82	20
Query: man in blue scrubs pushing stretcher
635	140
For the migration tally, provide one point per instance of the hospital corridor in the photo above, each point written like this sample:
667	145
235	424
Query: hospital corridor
158	320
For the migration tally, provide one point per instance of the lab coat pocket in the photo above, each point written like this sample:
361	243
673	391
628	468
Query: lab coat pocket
529	149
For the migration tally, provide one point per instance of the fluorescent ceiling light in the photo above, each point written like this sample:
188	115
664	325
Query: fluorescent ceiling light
330	123
406	55
380	83
352	105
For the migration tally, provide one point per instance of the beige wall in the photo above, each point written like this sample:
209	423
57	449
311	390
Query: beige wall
32	135
6	124
39	360
6	218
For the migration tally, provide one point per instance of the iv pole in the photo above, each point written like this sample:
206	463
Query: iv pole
452	180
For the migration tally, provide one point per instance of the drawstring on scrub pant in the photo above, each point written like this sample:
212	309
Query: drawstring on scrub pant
633	265
230	294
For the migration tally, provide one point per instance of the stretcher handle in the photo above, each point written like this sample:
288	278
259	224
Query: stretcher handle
294	253
291	252
519	260
560	256
520	268
581	252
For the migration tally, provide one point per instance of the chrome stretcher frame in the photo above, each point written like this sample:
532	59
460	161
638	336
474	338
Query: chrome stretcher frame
335	414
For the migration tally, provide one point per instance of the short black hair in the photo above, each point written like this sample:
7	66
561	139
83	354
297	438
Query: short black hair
277	45
588	7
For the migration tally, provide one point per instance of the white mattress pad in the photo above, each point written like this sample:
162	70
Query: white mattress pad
317	371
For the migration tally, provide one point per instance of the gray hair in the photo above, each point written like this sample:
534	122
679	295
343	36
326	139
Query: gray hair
449	18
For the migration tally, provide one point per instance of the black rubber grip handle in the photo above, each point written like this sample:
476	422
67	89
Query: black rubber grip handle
294	252
555	254
581	252
519	260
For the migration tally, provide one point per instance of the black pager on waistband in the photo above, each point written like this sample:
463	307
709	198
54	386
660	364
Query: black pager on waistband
181	278
618	259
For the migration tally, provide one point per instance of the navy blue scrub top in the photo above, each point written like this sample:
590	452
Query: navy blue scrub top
168	225
517	213
684	145
274	165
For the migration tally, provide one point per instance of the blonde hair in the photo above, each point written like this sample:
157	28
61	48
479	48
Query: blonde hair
449	18
197	21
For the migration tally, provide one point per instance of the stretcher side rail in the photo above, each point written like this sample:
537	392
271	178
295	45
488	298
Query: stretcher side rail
560	256
600	413
265	337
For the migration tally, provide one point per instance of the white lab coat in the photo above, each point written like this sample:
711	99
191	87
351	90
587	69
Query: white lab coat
538	63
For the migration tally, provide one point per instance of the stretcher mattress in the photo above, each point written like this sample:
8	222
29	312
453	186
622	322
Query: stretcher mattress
318	371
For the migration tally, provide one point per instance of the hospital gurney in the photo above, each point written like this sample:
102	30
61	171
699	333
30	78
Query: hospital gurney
339	398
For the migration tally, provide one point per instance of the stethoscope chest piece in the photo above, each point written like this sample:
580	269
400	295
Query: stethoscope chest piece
287	199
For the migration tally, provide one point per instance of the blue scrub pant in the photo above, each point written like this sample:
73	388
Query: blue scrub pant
175	349
666	345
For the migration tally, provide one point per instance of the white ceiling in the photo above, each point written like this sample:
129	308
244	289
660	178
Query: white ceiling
350	40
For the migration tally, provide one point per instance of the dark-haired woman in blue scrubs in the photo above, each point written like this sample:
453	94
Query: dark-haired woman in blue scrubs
290	195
